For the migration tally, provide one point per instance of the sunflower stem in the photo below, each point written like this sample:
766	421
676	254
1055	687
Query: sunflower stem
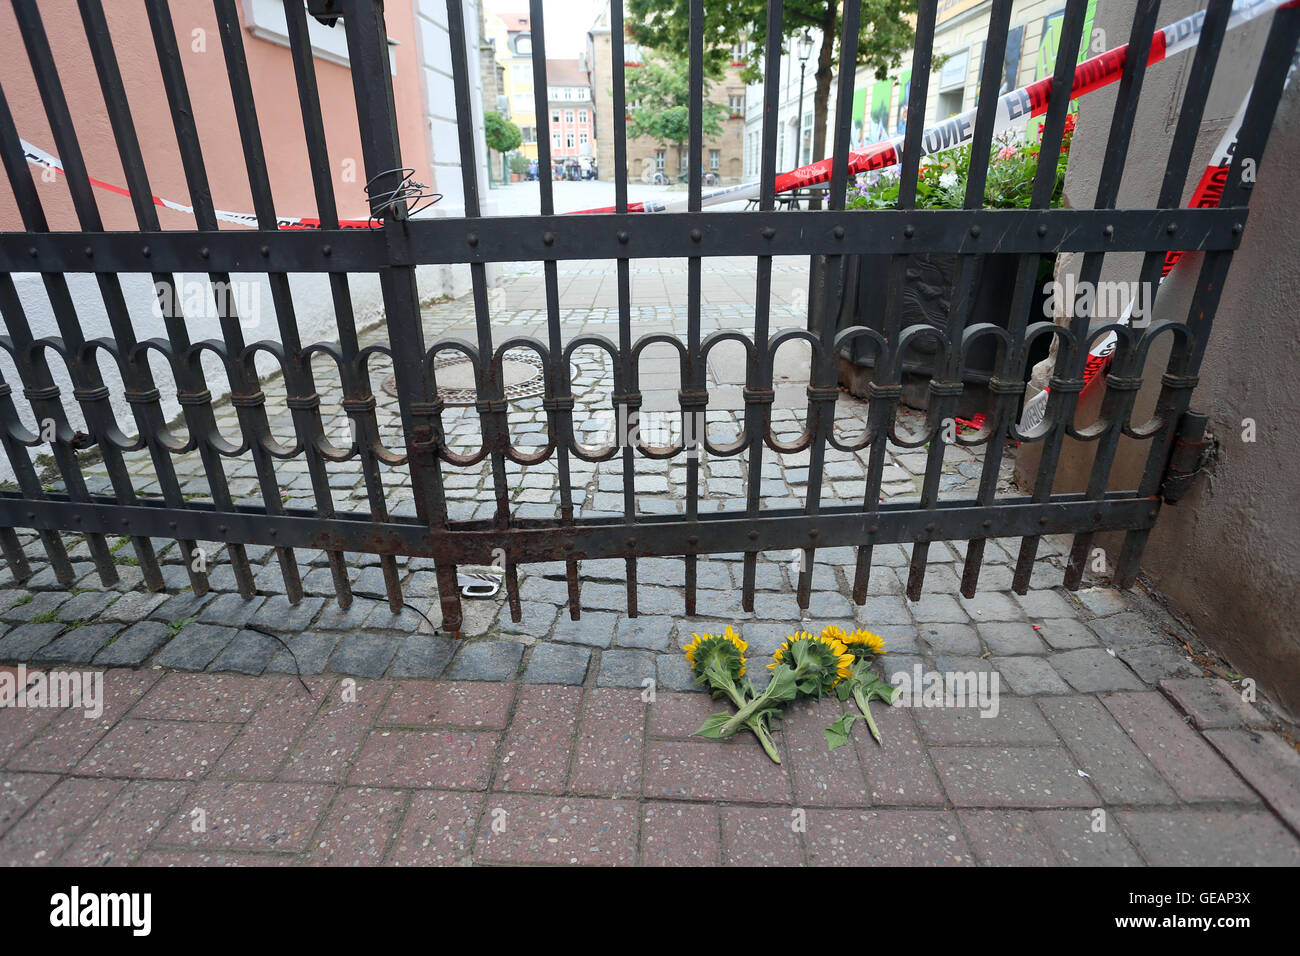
866	712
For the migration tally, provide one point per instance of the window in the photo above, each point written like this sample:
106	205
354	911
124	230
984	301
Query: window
659	159
582	116
715	160
736	102
529	133
522	103
568	116
522	73
555	140
738	53
582	139
524	44
555	116
952	84
568	92
568	140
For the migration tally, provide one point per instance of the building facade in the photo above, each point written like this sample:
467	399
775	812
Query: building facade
573	122
723	155
511	37
794	132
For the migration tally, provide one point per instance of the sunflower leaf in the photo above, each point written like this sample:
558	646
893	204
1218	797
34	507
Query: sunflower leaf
837	734
712	727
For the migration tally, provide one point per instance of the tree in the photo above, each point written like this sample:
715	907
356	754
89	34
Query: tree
659	97
501	135
886	33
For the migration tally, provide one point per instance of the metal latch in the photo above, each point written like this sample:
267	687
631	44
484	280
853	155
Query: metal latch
327	12
1187	457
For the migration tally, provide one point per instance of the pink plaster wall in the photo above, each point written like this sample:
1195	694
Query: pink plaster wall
275	95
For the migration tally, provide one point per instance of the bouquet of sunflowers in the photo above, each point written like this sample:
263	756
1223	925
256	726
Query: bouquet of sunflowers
803	666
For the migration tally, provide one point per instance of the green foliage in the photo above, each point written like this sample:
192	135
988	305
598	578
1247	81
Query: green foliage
658	94
501	134
519	163
665	25
941	183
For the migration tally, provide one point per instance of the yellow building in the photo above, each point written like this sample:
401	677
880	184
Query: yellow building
510	35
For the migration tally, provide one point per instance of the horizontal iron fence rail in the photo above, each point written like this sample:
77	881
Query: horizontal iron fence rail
635	236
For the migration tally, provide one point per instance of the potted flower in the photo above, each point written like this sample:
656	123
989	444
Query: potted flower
930	277
518	167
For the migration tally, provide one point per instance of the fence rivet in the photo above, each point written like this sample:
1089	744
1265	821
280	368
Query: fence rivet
31	516
548	238
873	529
171	524
753	536
265	251
1171	228
623	236
631	542
1108	231
838	232
696	235
1236	228
221	528
273	532
77	518
988	522
930	527
204	252
812	532
693	540
974	230
1043	520
1042	229
32	252
326	250
1151	513
146	252
472	238
909	232
89	252
768	232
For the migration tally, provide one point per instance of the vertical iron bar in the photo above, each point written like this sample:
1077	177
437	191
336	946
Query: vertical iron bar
823	392
886	394
300	386
33	368
693	397
98	411
198	397
759	394
560	402
625	403
420	407
358	401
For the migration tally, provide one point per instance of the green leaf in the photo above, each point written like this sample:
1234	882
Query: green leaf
712	727
837	734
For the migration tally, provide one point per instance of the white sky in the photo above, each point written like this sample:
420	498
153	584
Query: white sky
566	21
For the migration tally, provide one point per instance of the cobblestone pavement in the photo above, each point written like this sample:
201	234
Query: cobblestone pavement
534	741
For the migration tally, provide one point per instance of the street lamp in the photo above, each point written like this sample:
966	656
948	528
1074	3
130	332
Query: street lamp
805	51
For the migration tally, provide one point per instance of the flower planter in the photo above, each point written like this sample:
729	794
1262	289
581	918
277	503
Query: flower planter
928	284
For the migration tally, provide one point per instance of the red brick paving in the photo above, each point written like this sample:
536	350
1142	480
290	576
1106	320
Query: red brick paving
442	772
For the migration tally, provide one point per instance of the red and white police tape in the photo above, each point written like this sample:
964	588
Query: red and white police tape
39	157
1012	108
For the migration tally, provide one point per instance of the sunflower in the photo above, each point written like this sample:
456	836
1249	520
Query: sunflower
726	648
833	656
862	641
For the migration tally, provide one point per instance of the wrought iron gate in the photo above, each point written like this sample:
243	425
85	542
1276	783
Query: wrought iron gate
398	243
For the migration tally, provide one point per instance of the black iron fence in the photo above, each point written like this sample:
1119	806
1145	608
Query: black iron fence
399	243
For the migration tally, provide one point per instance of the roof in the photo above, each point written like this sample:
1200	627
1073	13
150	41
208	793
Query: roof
515	22
565	73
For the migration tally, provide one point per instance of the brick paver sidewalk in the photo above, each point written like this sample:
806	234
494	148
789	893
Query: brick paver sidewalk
233	769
